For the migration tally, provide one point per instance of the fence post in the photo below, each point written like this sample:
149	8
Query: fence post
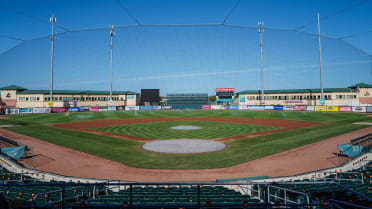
199	196
63	196
131	195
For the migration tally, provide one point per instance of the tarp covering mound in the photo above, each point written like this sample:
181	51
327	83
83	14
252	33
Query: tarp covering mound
13	152
350	150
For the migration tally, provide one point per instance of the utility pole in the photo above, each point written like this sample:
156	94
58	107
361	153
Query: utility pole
52	20
320	62
111	37
260	30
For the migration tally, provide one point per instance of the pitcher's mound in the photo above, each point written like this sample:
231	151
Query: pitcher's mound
183	146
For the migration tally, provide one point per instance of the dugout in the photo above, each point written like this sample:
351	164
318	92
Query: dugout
187	100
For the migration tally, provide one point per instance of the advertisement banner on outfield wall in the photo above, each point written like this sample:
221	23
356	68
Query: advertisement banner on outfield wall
102	110
73	109
345	109
243	107
310	108
12	111
255	107
120	108
111	108
2	112
288	108
359	109
166	107
38	110
299	108
145	107
59	109
369	109
320	108
206	107
131	107
217	107
233	107
269	107
278	107
25	110
93	109
332	109
84	109
157	107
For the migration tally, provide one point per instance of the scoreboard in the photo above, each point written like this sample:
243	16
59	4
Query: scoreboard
225	95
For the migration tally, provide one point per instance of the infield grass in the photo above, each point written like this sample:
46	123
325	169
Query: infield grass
239	151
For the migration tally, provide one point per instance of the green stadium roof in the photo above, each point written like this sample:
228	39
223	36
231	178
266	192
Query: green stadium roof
361	85
77	92
12	87
288	91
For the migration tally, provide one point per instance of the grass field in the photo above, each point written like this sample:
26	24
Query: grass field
208	130
130	152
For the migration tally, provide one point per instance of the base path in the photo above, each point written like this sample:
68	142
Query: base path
283	125
74	163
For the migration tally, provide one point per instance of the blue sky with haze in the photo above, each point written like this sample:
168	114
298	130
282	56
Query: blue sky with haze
185	58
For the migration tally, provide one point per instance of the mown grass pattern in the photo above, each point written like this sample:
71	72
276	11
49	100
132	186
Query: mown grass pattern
239	151
208	130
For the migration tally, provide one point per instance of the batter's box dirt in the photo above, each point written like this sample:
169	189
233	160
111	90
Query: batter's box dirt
282	125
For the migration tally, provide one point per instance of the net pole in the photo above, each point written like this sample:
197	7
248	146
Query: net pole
52	20
320	60
260	30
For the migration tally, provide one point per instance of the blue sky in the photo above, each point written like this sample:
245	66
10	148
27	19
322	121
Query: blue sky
185	58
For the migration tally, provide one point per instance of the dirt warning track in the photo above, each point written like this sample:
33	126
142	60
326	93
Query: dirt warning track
283	125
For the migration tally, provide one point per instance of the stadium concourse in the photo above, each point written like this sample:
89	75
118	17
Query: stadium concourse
68	162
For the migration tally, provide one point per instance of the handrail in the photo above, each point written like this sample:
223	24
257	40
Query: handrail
287	190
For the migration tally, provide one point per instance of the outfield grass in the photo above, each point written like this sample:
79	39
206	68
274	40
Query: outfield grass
130	152
208	130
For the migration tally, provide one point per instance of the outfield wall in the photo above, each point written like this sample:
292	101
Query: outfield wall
38	110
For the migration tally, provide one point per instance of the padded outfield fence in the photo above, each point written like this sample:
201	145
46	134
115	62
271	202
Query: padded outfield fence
360	109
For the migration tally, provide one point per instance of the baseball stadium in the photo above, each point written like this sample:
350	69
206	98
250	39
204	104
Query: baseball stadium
168	107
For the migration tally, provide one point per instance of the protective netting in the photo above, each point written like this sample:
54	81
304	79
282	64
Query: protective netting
179	59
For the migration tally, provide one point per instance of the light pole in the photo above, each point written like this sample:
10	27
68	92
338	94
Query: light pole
260	30
320	62
52	20
111	37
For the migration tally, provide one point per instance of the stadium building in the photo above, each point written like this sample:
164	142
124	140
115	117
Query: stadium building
358	94
19	97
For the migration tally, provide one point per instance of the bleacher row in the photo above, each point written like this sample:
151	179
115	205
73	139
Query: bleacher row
20	190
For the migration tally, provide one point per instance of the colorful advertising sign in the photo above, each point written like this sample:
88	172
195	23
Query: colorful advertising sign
131	107
73	109
225	89
345	109
156	107
94	109
11	111
84	109
299	108
41	110
111	108
166	107
310	108
25	110
255	107
269	107
145	107
225	100
332	108
59	109
130	96
320	108
243	107
233	107
287	108
206	107
359	109
278	107
369	108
